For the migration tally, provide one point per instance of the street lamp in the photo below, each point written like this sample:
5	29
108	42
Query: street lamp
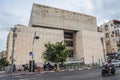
31	62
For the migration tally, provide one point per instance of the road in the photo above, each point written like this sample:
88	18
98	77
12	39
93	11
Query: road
93	74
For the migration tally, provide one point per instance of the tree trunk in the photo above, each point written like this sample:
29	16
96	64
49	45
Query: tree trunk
58	67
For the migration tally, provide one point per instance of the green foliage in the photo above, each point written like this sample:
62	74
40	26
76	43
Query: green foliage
4	62
55	52
96	65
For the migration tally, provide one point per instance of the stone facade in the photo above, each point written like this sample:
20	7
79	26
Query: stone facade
93	48
24	42
57	18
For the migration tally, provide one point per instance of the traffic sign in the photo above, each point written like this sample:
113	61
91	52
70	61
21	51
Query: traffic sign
30	53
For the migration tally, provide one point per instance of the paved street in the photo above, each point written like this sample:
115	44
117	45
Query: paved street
93	74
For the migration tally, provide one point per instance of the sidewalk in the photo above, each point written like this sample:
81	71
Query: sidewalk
51	71
27	72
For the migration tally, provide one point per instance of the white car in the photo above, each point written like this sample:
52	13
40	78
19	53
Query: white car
116	63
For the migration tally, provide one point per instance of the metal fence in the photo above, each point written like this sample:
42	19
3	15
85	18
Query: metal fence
8	69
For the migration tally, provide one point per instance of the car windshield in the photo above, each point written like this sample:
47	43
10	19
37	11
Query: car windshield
115	61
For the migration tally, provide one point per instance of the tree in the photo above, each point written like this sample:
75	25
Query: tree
4	62
56	53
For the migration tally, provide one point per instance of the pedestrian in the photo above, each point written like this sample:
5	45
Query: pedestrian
38	68
14	68
44	66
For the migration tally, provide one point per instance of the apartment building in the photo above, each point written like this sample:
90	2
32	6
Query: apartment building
111	29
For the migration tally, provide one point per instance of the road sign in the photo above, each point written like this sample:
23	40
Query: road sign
30	53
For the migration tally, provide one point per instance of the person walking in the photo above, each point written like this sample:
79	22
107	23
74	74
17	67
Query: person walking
38	68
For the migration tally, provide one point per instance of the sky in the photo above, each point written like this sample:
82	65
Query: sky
18	12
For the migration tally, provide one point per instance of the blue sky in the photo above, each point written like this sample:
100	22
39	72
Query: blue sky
18	12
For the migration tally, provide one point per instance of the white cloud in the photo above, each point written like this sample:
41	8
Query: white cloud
88	5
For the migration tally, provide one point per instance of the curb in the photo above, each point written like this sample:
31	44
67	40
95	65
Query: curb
29	73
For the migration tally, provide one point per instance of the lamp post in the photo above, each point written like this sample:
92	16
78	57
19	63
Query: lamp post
31	62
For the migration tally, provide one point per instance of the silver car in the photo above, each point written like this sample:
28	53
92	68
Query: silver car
116	63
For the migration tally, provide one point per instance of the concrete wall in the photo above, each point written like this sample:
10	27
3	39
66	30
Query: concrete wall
57	18
92	46
79	46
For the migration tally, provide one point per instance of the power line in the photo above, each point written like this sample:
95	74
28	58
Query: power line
4	29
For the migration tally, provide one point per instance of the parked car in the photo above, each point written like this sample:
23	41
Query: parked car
116	63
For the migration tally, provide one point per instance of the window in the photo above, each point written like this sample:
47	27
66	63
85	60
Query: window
70	53
69	43
107	35
68	35
112	32
106	27
112	35
99	29
116	32
108	43
111	24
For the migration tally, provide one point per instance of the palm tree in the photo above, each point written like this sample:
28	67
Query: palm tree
56	53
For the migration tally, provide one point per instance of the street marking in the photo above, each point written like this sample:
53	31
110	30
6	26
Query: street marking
42	72
80	69
62	70
71	70
28	79
52	71
18	76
